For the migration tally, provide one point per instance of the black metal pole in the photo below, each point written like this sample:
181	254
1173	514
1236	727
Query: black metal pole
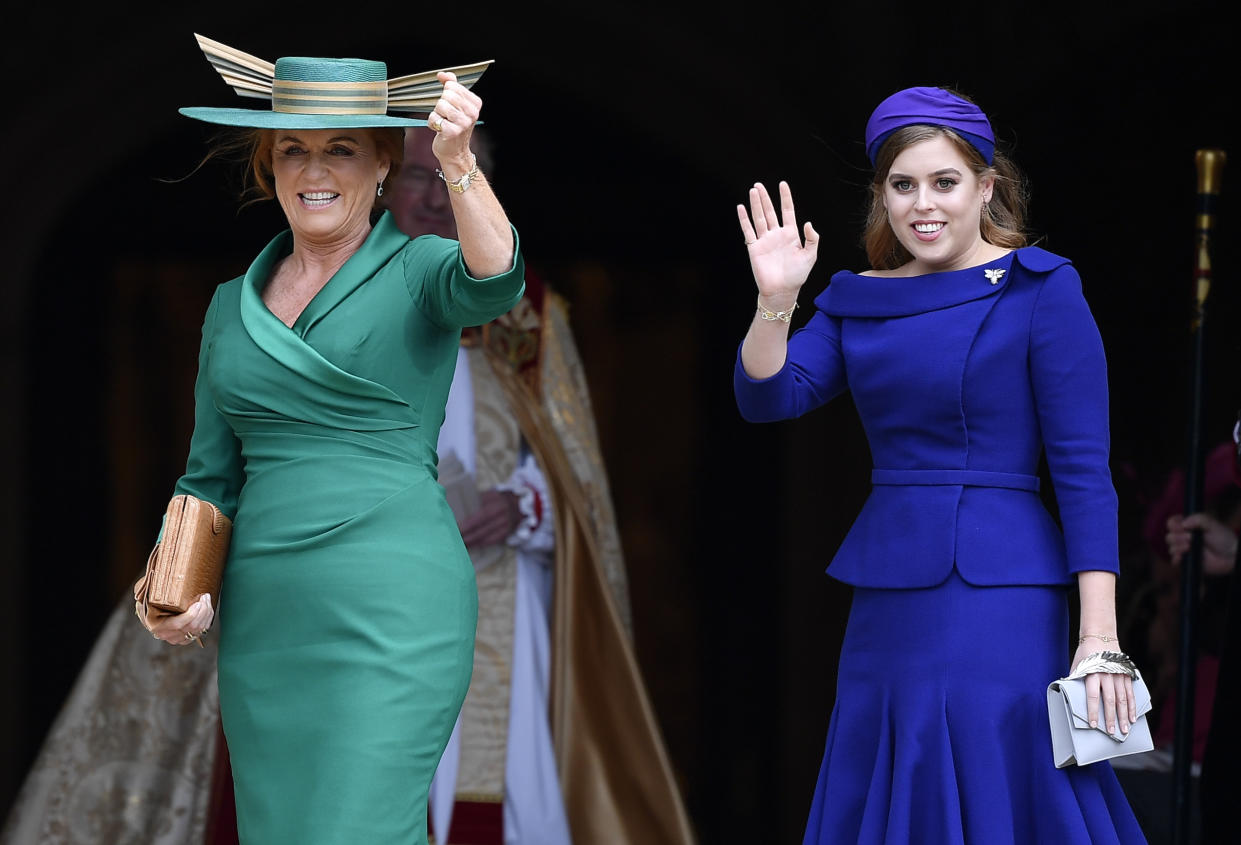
1210	164
1191	575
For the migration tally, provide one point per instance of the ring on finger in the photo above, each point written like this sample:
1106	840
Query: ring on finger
438	125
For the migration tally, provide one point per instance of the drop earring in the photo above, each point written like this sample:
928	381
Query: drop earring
379	189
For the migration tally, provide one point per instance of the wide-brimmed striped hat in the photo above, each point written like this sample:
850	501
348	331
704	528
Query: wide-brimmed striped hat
310	93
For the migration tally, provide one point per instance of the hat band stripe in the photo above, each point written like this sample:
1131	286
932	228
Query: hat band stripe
322	108
329	97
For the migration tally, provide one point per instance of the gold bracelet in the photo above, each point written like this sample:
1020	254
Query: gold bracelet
1100	637
769	315
463	182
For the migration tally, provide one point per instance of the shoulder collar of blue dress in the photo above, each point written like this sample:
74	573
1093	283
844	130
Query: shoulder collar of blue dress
853	295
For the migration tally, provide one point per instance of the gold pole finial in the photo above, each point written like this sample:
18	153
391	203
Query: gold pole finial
1210	170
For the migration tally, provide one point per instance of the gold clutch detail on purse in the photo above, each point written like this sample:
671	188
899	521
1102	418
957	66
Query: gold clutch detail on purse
187	561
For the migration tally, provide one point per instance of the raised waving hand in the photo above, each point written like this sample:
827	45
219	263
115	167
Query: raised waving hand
781	263
779	259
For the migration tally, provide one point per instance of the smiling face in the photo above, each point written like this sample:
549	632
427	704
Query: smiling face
326	181
934	205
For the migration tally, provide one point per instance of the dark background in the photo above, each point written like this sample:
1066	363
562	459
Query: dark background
625	135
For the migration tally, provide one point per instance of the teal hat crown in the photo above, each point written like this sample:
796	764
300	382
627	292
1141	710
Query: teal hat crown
329	86
317	93
302	69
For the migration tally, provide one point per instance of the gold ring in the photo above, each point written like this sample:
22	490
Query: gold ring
438	126
189	638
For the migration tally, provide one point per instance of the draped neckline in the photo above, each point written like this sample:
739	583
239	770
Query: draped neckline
288	345
382	242
854	295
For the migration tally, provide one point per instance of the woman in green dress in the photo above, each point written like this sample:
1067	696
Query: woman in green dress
348	604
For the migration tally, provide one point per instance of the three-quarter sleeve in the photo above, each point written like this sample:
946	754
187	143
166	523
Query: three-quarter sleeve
1068	372
214	470
813	374
444	290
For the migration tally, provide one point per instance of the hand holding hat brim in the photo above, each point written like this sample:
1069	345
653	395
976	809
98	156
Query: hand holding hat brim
453	119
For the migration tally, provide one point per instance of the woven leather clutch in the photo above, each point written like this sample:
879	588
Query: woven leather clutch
187	561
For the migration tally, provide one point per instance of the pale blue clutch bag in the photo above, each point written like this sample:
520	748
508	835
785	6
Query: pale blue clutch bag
1073	741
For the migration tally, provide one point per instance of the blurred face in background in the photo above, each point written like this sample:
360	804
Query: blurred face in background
418	197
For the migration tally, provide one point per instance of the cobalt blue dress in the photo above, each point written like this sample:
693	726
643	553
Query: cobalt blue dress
959	620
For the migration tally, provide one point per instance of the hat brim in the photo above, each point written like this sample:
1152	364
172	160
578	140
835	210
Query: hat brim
260	119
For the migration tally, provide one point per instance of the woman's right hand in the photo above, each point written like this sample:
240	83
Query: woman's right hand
183	628
778	258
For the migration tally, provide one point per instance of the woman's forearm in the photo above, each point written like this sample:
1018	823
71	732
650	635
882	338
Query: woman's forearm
766	343
1097	591
482	226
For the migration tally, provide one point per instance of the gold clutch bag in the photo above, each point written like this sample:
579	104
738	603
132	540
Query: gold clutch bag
187	561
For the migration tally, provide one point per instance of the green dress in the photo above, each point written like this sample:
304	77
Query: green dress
348	608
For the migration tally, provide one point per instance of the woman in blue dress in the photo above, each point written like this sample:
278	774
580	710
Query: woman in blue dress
968	354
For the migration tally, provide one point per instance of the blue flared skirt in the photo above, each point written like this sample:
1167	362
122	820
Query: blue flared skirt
940	735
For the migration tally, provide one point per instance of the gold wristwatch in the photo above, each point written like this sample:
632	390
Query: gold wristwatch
460	185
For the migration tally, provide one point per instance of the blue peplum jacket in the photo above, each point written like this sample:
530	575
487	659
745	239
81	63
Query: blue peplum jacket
962	379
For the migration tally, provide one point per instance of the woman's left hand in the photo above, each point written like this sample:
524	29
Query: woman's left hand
182	628
453	121
1113	694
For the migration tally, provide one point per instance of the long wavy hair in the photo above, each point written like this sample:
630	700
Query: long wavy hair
1003	217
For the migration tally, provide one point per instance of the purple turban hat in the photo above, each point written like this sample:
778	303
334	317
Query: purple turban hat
934	106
